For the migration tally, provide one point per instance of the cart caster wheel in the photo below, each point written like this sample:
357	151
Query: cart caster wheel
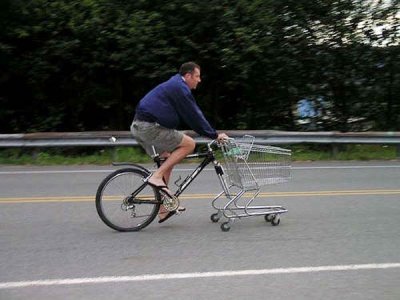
225	226
269	218
276	220
214	218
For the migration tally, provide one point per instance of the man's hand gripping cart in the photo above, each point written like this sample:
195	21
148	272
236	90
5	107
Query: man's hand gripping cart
246	168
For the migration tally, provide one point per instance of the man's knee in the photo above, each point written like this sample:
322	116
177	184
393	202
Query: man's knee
188	143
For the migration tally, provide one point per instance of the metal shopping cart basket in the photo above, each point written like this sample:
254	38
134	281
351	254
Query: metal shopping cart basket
247	167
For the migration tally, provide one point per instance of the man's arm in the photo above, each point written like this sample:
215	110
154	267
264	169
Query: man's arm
192	115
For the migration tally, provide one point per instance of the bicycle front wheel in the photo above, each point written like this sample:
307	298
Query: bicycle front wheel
124	202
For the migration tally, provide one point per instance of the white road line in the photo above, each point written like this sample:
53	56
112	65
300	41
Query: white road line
54	172
347	167
187	170
150	277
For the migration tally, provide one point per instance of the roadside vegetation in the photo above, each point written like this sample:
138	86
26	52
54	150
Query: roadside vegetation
106	156
76	65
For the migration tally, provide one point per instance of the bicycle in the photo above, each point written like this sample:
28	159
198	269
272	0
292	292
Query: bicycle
126	202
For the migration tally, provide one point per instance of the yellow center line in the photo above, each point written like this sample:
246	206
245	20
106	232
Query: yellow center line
203	196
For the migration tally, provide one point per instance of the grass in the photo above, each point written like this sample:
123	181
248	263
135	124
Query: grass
344	152
71	156
97	156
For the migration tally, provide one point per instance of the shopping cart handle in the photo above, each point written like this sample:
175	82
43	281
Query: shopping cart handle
212	143
218	142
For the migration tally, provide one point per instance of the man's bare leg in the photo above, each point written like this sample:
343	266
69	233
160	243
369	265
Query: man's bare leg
163	211
185	148
162	175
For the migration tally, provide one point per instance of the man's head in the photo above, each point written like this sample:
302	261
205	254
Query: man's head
191	72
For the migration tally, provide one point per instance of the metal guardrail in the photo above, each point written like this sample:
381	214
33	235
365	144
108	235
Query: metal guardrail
124	138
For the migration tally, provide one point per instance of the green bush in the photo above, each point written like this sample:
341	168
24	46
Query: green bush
101	156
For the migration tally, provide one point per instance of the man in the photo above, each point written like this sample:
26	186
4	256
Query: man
157	117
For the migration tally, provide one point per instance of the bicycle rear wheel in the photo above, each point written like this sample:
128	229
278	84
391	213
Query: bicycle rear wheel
124	202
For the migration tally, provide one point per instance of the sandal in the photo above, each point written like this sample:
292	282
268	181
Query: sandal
162	188
169	214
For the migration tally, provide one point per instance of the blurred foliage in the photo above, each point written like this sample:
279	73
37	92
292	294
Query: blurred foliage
84	65
81	156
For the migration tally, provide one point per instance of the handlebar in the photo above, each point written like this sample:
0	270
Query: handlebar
217	142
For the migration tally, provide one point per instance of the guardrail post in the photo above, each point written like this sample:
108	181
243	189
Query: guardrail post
398	151
35	154
335	150
114	155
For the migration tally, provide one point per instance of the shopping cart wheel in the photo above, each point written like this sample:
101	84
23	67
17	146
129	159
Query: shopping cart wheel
215	218
225	226
276	220
269	218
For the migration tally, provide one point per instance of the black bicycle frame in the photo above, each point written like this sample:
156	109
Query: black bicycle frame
208	158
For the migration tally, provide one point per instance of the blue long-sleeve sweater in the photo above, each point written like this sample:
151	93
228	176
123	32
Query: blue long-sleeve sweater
171	103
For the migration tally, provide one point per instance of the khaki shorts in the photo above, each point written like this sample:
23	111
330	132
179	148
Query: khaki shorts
153	134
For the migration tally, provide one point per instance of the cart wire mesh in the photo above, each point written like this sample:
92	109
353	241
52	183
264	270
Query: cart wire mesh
249	166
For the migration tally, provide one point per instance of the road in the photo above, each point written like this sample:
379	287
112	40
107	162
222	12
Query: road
339	240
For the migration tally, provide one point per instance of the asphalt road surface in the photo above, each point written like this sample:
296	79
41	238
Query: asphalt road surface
339	240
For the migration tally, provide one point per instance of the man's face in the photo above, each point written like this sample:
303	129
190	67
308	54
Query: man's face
193	79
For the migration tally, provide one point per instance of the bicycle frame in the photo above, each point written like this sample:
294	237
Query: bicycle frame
209	157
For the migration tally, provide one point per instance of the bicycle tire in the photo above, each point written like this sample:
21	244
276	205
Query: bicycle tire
118	209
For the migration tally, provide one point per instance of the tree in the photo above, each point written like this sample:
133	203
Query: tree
83	65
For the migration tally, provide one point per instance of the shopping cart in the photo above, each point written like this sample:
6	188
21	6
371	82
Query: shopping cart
247	167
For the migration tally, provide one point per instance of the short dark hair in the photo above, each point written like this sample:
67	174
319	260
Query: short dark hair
188	67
